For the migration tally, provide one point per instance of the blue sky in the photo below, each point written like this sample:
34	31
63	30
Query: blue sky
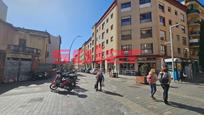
67	18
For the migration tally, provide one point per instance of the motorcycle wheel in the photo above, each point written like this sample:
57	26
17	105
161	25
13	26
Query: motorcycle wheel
53	86
69	88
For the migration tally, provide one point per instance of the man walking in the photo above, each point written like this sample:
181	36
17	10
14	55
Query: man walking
165	79
99	80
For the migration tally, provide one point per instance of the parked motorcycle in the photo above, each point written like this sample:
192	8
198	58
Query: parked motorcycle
72	76
64	83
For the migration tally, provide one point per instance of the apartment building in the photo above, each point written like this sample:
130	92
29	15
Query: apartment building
3	11
195	14
136	32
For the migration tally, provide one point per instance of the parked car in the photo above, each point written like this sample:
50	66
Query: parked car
87	70
39	75
93	71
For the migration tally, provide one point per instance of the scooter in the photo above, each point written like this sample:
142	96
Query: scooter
64	83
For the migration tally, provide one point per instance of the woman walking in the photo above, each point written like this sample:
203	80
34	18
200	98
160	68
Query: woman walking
151	79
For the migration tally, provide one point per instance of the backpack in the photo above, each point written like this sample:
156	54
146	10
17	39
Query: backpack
150	79
164	78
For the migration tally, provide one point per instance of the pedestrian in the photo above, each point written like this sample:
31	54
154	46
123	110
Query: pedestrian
110	72
99	80
151	79
165	80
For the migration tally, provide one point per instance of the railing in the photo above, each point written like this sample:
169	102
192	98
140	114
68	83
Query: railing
194	33
192	11
194	22
27	50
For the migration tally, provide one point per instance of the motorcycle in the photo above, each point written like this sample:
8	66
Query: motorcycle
64	83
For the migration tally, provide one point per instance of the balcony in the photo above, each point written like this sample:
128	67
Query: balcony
194	34
192	11
194	23
26	50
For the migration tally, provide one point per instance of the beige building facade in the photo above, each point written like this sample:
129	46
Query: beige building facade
21	51
195	14
136	32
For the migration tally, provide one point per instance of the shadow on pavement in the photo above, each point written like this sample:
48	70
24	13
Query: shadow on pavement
64	92
79	89
6	87
187	107
112	93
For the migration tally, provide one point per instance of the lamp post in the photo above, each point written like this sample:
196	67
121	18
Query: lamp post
172	49
71	46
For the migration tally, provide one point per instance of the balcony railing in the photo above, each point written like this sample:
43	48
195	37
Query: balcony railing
26	50
194	22
189	11
194	33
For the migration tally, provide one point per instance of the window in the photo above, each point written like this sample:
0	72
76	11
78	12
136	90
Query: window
144	1
147	48
184	41
161	7
170	22
179	50
126	35
126	47
107	30
163	49
107	52
92	50
111	15
162	21
107	41
183	29
146	32
103	54
103	26
176	13
103	45
126	21
178	37
162	35
146	17
111	27
103	34
22	43
111	38
169	9
182	17
106	20
126	6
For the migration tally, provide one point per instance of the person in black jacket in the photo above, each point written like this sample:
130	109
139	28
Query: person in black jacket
165	80
99	80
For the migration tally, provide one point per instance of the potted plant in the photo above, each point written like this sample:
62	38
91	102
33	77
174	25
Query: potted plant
143	71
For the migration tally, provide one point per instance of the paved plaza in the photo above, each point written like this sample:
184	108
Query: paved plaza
120	96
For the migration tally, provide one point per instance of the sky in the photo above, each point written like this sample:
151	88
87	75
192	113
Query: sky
67	18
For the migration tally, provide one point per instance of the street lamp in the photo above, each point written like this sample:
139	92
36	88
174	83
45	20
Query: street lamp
172	49
71	46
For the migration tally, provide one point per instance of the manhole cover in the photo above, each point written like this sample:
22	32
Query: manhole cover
34	100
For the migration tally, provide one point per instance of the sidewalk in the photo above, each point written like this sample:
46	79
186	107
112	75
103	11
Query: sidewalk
182	89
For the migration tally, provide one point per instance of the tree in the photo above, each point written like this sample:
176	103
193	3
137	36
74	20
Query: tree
201	46
144	69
